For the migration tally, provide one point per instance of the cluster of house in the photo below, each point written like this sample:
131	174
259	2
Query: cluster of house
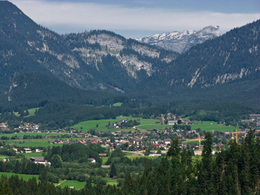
172	120
37	160
4	127
117	125
29	127
27	150
253	118
82	141
40	160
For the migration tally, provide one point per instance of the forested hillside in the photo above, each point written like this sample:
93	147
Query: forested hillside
224	69
31	88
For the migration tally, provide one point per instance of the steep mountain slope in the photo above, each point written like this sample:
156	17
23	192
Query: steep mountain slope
181	41
231	58
98	60
34	87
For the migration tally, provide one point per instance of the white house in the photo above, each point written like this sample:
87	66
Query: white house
27	150
92	160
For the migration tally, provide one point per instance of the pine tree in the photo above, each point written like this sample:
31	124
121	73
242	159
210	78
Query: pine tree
206	178
6	189
112	170
17	167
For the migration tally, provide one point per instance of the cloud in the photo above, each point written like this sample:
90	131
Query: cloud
105	16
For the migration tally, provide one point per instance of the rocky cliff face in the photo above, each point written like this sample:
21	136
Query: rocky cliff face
231	57
181	41
96	60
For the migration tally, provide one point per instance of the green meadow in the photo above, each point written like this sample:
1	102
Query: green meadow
104	160
117	104
111	181
3	156
24	176
76	184
211	125
35	154
100	125
147	125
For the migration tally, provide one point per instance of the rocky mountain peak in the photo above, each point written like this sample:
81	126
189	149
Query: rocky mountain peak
181	41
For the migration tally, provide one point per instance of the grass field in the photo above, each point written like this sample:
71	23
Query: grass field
111	181
117	104
150	157
24	176
211	125
104	160
85	126
76	184
22	134
35	154
2	157
148	125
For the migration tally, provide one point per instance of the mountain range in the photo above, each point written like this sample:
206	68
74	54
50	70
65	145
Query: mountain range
181	42
96	60
222	68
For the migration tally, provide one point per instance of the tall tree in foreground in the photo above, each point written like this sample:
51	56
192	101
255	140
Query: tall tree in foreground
206	178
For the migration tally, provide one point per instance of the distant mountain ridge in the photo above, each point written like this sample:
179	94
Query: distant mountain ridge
181	41
104	61
226	65
96	60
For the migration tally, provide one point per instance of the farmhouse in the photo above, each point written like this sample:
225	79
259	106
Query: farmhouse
26	150
102	155
155	155
167	141
92	160
40	160
173	122
105	166
38	150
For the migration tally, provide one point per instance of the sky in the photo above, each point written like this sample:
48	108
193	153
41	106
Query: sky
139	18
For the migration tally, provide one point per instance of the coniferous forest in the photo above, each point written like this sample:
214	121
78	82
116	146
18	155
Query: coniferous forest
233	171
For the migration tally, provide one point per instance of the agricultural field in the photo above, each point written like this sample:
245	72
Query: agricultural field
34	143
117	104
2	156
24	176
147	125
100	125
111	181
76	184
34	154
22	134
211	125
104	160
150	157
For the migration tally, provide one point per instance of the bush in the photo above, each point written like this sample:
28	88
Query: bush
81	178
120	182
103	181
53	178
121	175
101	172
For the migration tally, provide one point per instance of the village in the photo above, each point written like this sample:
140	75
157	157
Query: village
142	142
